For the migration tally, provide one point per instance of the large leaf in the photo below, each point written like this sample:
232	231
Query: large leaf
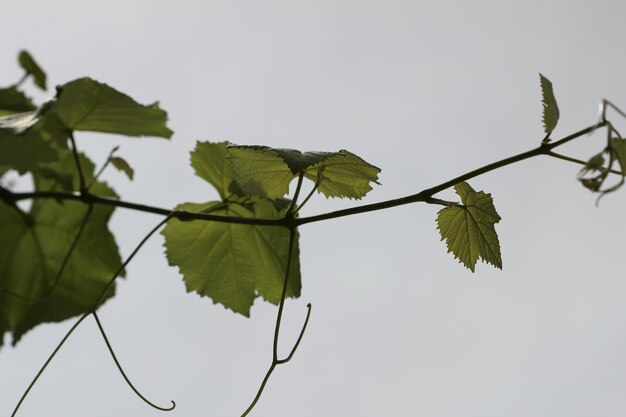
267	172
31	67
33	245
13	101
550	108
468	229
85	104
232	263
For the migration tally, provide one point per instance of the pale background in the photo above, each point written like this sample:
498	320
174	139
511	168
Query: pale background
424	90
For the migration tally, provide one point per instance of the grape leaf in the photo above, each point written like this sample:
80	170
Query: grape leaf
121	165
209	163
267	172
232	263
33	245
31	67
85	104
344	175
468	229
619	147
550	107
13	101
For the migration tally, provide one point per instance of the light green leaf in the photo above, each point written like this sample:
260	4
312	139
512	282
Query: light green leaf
232	263
344	175
209	162
14	101
31	67
85	104
550	107
267	171
121	165
468	229
32	248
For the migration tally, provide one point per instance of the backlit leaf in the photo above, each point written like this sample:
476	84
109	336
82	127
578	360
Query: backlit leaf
232	263
121	165
209	163
550	107
468	229
85	104
267	171
33	245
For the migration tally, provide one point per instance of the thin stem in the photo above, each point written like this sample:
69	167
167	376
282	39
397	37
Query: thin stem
295	346
296	194
275	360
81	176
93	308
64	263
22	80
119	367
45	365
306	199
103	167
421	196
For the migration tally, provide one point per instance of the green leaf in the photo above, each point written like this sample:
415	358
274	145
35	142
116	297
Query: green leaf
121	165
344	175
31	67
232	263
33	245
267	171
209	163
85	104
619	147
14	101
550	107
468	229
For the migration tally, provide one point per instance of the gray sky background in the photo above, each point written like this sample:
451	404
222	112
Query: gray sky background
424	90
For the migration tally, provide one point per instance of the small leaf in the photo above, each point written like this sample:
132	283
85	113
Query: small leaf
619	147
468	229
123	166
31	67
85	104
14	101
550	107
232	263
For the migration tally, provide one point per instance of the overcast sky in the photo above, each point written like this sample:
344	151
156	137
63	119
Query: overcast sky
426	91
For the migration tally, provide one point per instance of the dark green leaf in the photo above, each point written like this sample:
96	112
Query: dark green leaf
32	248
31	67
550	107
468	229
14	101
85	104
122	165
232	263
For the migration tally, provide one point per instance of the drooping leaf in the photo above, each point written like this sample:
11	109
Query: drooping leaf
31	67
14	101
550	107
232	263
33	245
267	171
619	147
344	175
121	165
85	104
468	229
